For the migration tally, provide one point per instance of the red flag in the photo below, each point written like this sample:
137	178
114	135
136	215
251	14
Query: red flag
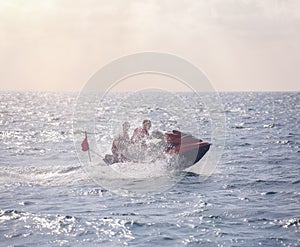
85	145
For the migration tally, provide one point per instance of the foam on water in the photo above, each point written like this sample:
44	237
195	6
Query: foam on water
45	175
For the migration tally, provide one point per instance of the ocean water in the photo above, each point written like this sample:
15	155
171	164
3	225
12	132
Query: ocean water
50	198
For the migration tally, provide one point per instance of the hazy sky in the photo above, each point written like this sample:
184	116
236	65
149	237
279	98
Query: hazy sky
239	44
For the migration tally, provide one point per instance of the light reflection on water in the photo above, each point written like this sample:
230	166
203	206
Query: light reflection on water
47	199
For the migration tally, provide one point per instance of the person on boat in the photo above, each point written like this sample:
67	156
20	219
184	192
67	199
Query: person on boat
141	134
120	144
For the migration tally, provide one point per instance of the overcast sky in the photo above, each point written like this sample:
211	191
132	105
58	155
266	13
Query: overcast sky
239	44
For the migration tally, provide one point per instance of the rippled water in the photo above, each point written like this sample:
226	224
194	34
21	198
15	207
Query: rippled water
252	198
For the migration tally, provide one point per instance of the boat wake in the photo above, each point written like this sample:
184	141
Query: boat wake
46	175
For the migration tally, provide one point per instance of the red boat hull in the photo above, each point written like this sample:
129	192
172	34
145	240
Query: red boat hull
189	148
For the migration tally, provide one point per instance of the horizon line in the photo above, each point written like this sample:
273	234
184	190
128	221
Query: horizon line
175	91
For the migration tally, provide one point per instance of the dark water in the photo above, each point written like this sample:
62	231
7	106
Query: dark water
252	199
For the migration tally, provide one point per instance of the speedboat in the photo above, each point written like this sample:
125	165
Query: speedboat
186	147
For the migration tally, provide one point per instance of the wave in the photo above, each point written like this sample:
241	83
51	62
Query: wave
72	228
294	222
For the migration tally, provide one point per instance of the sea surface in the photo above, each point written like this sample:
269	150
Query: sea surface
250	198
